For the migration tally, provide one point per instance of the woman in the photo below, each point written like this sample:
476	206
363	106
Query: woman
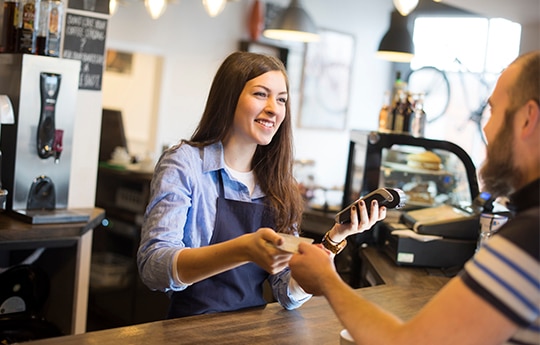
208	235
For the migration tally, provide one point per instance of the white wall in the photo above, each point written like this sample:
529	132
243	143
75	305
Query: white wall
193	45
82	183
136	93
530	35
370	78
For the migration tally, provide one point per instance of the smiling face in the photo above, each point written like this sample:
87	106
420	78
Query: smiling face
260	110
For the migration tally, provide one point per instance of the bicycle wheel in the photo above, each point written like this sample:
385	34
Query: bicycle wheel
433	83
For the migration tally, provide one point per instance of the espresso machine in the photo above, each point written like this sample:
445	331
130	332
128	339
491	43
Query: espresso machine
37	147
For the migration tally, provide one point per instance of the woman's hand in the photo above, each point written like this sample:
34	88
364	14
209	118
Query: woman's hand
196	264
260	247
360	221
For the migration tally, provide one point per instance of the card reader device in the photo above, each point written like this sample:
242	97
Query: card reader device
388	197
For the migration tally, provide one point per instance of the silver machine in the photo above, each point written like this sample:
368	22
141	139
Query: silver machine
37	147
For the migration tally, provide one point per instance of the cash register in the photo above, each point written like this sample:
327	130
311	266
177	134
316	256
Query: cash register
438	226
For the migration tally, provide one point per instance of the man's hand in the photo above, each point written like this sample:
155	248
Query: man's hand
313	267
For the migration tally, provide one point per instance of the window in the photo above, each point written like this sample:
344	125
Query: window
471	52
482	45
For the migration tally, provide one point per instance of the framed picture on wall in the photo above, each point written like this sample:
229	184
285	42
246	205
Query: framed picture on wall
265	48
119	62
326	81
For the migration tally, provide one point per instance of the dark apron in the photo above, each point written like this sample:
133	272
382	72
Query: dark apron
238	288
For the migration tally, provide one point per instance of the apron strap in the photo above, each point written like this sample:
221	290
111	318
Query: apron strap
220	184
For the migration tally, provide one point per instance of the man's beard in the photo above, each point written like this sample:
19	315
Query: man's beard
499	173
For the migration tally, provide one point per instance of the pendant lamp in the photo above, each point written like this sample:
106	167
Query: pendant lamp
397	44
405	6
293	24
113	7
155	7
214	7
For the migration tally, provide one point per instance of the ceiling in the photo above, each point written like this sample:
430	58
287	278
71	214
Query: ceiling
521	11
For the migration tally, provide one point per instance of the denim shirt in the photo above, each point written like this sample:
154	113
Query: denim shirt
181	214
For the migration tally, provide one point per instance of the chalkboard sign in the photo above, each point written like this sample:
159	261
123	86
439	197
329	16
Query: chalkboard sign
98	6
84	40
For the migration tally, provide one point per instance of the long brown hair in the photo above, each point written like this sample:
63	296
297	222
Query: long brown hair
273	163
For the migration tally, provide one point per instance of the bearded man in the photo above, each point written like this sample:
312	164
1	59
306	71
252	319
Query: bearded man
496	298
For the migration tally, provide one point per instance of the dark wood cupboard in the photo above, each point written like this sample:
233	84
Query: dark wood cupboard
117	296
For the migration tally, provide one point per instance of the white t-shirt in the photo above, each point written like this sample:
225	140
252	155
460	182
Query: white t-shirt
247	178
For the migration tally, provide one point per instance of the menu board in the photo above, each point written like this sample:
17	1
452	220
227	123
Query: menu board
84	40
97	6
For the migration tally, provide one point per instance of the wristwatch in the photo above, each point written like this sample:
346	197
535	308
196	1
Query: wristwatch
334	247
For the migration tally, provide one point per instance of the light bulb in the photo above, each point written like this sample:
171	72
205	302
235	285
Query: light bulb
214	7
155	7
405	7
113	7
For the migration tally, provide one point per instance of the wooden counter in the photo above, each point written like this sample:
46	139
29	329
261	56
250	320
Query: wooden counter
15	234
402	291
313	323
378	269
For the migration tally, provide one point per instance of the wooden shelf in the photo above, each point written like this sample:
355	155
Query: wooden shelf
123	194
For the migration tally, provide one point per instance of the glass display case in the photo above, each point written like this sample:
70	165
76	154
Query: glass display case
430	172
438	178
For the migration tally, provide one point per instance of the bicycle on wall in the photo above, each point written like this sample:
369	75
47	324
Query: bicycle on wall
435	84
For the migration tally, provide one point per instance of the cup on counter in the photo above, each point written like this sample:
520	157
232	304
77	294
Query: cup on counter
490	223
345	338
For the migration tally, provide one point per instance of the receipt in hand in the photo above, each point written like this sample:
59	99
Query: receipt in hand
290	242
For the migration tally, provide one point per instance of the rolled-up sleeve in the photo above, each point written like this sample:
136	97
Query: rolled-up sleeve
179	187
280	288
163	226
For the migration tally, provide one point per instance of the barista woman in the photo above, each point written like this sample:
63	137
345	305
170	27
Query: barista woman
219	200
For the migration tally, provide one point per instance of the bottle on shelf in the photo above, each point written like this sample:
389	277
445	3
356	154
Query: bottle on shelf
399	112
407	113
41	27
418	118
399	84
399	95
54	36
8	40
25	27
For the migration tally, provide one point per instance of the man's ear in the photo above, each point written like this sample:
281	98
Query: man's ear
531	113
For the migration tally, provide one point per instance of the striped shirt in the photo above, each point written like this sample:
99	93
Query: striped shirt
506	272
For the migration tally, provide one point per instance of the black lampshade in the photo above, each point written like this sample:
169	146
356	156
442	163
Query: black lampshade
294	24
397	44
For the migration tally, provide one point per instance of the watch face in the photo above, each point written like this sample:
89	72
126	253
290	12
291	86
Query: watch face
337	248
